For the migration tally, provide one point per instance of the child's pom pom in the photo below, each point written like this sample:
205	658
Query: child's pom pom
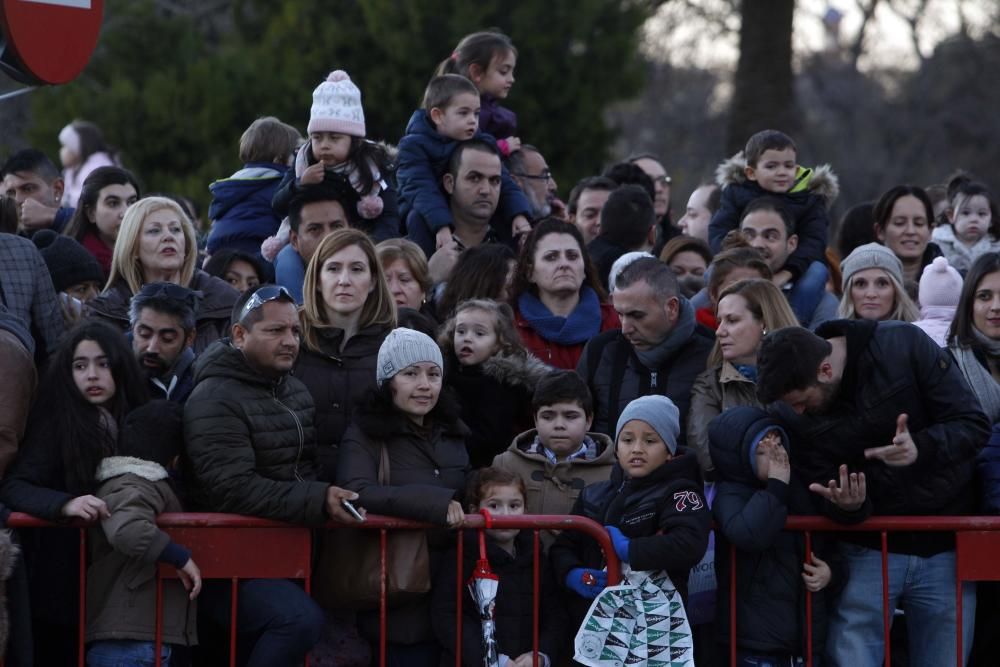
272	245
338	75
370	206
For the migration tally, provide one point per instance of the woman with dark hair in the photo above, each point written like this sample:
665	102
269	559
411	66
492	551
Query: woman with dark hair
82	150
974	337
106	193
481	272
857	227
411	425
557	297
241	270
903	217
93	380
688	258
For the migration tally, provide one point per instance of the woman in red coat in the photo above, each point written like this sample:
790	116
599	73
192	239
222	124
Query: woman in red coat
558	301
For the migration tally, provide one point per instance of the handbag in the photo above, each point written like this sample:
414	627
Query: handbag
349	568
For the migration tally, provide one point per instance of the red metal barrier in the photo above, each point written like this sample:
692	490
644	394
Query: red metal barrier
233	547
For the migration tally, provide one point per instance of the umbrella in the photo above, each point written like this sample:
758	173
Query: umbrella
483	586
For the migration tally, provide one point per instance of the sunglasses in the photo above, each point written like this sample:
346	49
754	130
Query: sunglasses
262	296
188	297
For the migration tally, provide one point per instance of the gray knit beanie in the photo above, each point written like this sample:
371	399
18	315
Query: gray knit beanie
404	347
657	411
871	256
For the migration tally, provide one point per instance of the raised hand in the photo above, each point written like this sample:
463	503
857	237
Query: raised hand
849	495
902	451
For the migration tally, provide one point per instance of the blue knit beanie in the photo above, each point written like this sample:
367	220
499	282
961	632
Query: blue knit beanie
657	411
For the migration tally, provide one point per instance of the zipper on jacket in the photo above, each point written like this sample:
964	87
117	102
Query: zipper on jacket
301	431
652	380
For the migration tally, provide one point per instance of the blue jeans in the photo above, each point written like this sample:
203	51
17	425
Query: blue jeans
125	653
924	588
285	622
750	659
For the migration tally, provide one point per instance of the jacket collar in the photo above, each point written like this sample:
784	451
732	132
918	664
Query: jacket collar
115	466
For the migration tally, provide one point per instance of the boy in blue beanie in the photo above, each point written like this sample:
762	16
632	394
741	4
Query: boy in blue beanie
652	506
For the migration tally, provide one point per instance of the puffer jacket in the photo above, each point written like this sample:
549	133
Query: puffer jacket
496	400
427	469
554	487
615	376
251	441
124	551
337	379
750	515
893	368
663	514
212	319
715	391
423	159
240	211
514	605
807	202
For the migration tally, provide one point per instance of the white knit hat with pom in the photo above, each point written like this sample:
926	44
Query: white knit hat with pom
336	106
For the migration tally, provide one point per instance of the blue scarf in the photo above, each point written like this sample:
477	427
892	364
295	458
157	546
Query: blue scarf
749	372
582	324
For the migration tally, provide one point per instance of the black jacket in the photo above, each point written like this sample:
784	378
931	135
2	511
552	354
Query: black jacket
514	606
603	253
663	514
616	377
337	379
894	368
750	516
251	441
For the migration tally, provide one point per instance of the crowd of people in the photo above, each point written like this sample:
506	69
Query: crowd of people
426	330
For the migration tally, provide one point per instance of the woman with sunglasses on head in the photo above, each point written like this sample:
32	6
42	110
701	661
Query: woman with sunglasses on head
156	243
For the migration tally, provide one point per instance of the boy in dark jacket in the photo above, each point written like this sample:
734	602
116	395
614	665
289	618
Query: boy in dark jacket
240	211
449	115
652	506
757	491
125	549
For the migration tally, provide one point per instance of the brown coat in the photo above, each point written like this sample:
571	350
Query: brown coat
121	579
715	391
553	488
16	390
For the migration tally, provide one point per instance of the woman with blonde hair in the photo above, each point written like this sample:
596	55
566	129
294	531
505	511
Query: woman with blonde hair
156	243
747	311
873	286
347	311
406	272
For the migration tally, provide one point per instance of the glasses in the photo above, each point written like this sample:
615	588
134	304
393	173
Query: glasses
666	180
262	296
544	176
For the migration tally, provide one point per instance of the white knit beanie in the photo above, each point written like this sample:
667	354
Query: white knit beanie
871	256
940	284
404	347
336	106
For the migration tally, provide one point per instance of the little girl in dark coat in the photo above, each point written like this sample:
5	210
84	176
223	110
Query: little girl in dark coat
492	374
511	557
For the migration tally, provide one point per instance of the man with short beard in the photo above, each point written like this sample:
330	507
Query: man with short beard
162	317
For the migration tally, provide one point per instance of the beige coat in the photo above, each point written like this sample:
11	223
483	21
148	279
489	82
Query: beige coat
715	391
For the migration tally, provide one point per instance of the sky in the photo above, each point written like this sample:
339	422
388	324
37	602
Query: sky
704	33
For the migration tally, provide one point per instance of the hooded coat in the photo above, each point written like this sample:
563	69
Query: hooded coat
715	391
750	517
807	202
496	400
251	441
241	212
211	320
124	552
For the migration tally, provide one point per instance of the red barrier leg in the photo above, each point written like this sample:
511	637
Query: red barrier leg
460	556
732	605
809	607
83	597
233	600
158	642
382	623
886	612
958	612
536	595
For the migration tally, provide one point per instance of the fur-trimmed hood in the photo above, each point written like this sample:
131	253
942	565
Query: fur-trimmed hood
116	466
516	370
820	180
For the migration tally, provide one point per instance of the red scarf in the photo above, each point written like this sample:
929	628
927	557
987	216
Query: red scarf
100	250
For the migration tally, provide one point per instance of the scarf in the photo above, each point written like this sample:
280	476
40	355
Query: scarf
979	378
582	324
655	357
991	346
749	372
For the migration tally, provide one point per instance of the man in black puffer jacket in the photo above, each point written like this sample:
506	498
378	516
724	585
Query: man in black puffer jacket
885	400
248	427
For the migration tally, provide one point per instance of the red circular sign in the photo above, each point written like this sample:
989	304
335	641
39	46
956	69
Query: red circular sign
52	39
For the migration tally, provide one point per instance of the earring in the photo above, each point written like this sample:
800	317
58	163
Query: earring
763	331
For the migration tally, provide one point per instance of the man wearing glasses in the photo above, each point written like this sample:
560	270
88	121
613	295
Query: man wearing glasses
529	168
251	441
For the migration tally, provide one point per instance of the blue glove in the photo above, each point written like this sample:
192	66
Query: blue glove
578	576
620	541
